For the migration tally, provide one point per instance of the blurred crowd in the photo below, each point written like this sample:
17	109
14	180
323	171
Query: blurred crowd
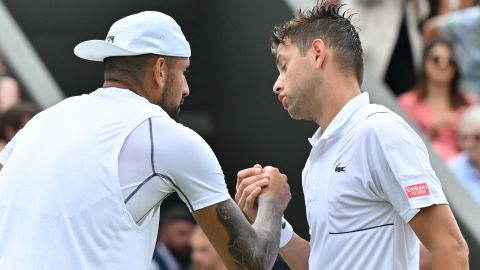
426	52
15	109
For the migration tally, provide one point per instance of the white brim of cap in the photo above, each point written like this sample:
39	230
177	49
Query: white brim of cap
98	50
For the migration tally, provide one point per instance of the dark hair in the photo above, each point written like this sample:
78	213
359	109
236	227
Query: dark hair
15	117
324	21
133	67
173	214
457	99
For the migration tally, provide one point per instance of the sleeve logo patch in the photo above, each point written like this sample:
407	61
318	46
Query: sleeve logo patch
417	190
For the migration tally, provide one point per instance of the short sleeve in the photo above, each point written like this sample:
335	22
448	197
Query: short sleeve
401	167
189	162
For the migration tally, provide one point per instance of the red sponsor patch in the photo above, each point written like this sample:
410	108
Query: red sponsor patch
417	190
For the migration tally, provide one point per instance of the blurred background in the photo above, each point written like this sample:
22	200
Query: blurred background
231	76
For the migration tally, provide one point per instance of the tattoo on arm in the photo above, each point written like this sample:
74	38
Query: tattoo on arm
252	247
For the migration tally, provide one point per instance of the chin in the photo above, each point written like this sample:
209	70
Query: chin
174	114
297	115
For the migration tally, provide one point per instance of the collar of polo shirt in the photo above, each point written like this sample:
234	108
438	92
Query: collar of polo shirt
337	125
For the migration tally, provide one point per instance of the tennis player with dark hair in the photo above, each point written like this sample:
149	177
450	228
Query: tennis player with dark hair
370	191
82	183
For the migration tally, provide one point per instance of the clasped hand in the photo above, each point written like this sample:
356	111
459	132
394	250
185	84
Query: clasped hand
261	183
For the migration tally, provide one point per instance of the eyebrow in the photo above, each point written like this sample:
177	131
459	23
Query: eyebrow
278	59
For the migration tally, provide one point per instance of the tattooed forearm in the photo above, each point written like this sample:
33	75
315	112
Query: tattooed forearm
252	247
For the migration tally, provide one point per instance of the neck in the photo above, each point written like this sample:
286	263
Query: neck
338	92
437	90
111	82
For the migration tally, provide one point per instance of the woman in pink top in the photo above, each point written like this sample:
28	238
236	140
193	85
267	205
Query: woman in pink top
436	104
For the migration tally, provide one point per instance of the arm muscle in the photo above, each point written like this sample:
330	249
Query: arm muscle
241	245
438	231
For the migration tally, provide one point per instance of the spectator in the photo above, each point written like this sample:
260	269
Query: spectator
394	23
204	255
436	104
466	166
439	7
15	119
173	249
461	28
9	93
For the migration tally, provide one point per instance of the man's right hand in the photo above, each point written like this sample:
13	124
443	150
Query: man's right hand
278	187
241	245
266	183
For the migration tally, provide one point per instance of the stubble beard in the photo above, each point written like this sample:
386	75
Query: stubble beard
303	102
166	101
294	108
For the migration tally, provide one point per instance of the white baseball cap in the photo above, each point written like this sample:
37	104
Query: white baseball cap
148	32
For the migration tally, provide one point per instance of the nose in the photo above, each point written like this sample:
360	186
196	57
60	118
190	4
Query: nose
186	89
278	85
443	64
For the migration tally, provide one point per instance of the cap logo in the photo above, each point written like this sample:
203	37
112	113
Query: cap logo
110	39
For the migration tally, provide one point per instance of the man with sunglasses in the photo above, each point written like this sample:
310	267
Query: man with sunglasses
466	166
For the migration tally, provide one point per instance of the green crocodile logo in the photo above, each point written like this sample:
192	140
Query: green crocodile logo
340	168
110	39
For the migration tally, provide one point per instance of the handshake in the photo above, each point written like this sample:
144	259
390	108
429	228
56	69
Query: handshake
258	184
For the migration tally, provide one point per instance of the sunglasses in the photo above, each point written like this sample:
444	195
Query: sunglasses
474	137
438	59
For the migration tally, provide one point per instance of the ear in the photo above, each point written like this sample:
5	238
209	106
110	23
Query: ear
319	51
160	71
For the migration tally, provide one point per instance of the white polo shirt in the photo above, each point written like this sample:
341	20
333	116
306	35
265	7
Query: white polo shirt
367	176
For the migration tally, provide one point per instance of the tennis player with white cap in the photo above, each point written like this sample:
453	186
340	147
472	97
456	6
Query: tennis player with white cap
82	184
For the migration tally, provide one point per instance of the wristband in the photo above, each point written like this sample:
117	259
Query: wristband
286	232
